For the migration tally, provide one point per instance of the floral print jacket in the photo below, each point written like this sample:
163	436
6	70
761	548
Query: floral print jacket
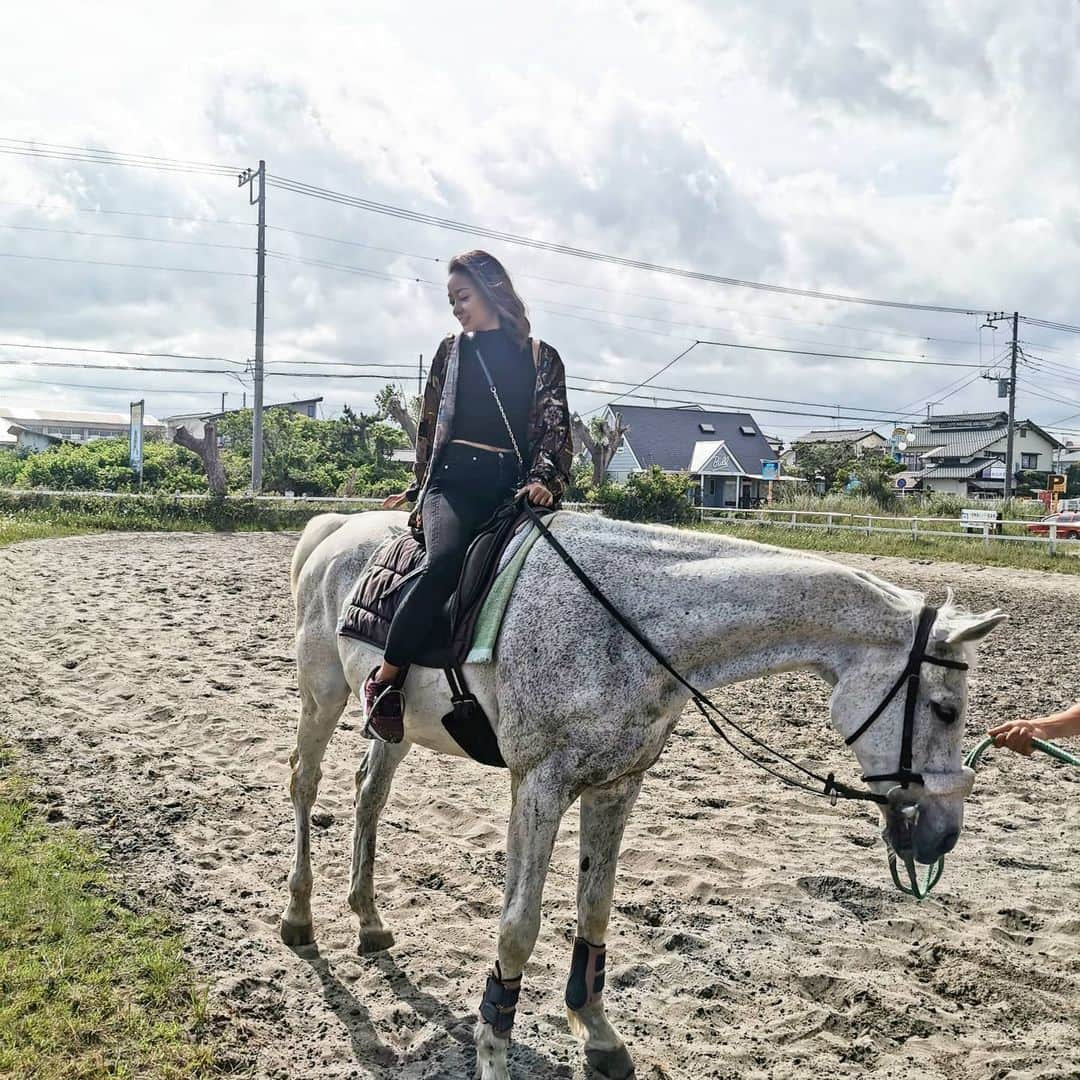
550	450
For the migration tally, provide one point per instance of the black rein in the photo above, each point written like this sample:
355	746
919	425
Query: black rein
831	787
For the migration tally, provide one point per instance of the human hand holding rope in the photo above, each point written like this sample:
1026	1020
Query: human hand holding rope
1017	735
536	493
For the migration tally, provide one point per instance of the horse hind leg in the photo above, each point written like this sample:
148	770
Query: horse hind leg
604	812
373	780
321	705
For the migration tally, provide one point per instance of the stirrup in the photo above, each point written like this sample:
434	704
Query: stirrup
395	732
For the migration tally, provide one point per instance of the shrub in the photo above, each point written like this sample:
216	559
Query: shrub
652	495
943	506
578	489
102	465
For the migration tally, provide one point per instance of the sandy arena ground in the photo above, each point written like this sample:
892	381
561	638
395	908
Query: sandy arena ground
149	682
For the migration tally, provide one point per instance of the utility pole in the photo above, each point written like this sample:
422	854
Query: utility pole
1010	438
249	176
420	376
223	392
1013	350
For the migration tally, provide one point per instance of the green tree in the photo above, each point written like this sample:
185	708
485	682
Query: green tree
873	474
824	460
315	457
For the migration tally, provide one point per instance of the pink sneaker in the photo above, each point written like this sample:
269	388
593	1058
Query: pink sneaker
384	710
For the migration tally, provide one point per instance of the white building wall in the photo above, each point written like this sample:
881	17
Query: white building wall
945	486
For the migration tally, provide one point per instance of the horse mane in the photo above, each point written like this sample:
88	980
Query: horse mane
693	544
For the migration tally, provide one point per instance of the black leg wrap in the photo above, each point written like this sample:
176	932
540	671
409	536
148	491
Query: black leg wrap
586	981
500	1001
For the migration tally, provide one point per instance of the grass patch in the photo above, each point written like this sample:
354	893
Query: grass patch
33	515
89	989
1019	555
13	530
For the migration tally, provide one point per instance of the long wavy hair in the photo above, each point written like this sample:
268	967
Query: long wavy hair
491	279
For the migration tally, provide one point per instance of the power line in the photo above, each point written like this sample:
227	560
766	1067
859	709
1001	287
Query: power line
115	367
115	352
618	292
839	356
98	156
129	236
660	371
125	266
127	389
756	408
885	413
131	213
312	191
551	307
1066	328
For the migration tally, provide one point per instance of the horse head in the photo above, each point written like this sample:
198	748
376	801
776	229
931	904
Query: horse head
902	711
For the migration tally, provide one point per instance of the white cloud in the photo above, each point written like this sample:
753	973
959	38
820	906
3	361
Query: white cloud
920	151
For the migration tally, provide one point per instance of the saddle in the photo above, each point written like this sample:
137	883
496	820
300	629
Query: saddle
389	575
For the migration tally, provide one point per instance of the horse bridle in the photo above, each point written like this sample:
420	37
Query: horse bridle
912	675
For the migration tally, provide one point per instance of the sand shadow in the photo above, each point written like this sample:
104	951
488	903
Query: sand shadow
370	1050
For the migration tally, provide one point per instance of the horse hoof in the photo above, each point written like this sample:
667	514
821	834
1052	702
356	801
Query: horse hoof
613	1064
297	935
373	941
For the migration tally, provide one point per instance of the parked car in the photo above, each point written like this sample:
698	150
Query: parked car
1068	526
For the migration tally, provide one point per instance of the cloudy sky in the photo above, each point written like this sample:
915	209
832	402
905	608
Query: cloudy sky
927	153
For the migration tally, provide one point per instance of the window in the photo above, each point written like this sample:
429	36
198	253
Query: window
1029	461
747	430
1023	433
708	429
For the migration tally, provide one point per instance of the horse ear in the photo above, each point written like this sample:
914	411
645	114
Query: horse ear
975	627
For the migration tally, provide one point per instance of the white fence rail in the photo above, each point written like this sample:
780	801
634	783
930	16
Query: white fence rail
910	527
829	520
201	496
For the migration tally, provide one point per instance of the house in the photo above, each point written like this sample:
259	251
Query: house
77	427
858	441
16	437
194	421
1067	457
964	454
724	452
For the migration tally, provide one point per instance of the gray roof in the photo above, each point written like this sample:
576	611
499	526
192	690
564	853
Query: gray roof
961	444
837	435
959	419
957	472
666	437
217	414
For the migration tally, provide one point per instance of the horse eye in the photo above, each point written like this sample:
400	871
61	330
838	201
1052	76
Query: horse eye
945	713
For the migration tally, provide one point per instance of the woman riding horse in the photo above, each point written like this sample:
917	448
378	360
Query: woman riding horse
494	425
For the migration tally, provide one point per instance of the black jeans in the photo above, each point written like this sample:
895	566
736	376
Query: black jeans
466	488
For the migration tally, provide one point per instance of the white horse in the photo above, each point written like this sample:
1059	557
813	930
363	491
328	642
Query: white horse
582	711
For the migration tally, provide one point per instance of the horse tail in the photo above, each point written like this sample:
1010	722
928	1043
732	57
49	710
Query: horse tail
315	532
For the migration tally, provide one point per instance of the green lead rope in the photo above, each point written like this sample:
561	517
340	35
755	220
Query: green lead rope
1046	747
921	889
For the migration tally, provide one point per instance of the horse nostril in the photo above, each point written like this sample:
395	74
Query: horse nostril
948	841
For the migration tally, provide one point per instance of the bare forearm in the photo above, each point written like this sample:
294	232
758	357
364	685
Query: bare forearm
1062	724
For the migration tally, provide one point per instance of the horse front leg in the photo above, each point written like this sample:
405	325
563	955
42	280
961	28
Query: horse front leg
539	801
373	780
321	705
604	812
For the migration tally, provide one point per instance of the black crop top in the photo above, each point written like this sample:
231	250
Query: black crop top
476	416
